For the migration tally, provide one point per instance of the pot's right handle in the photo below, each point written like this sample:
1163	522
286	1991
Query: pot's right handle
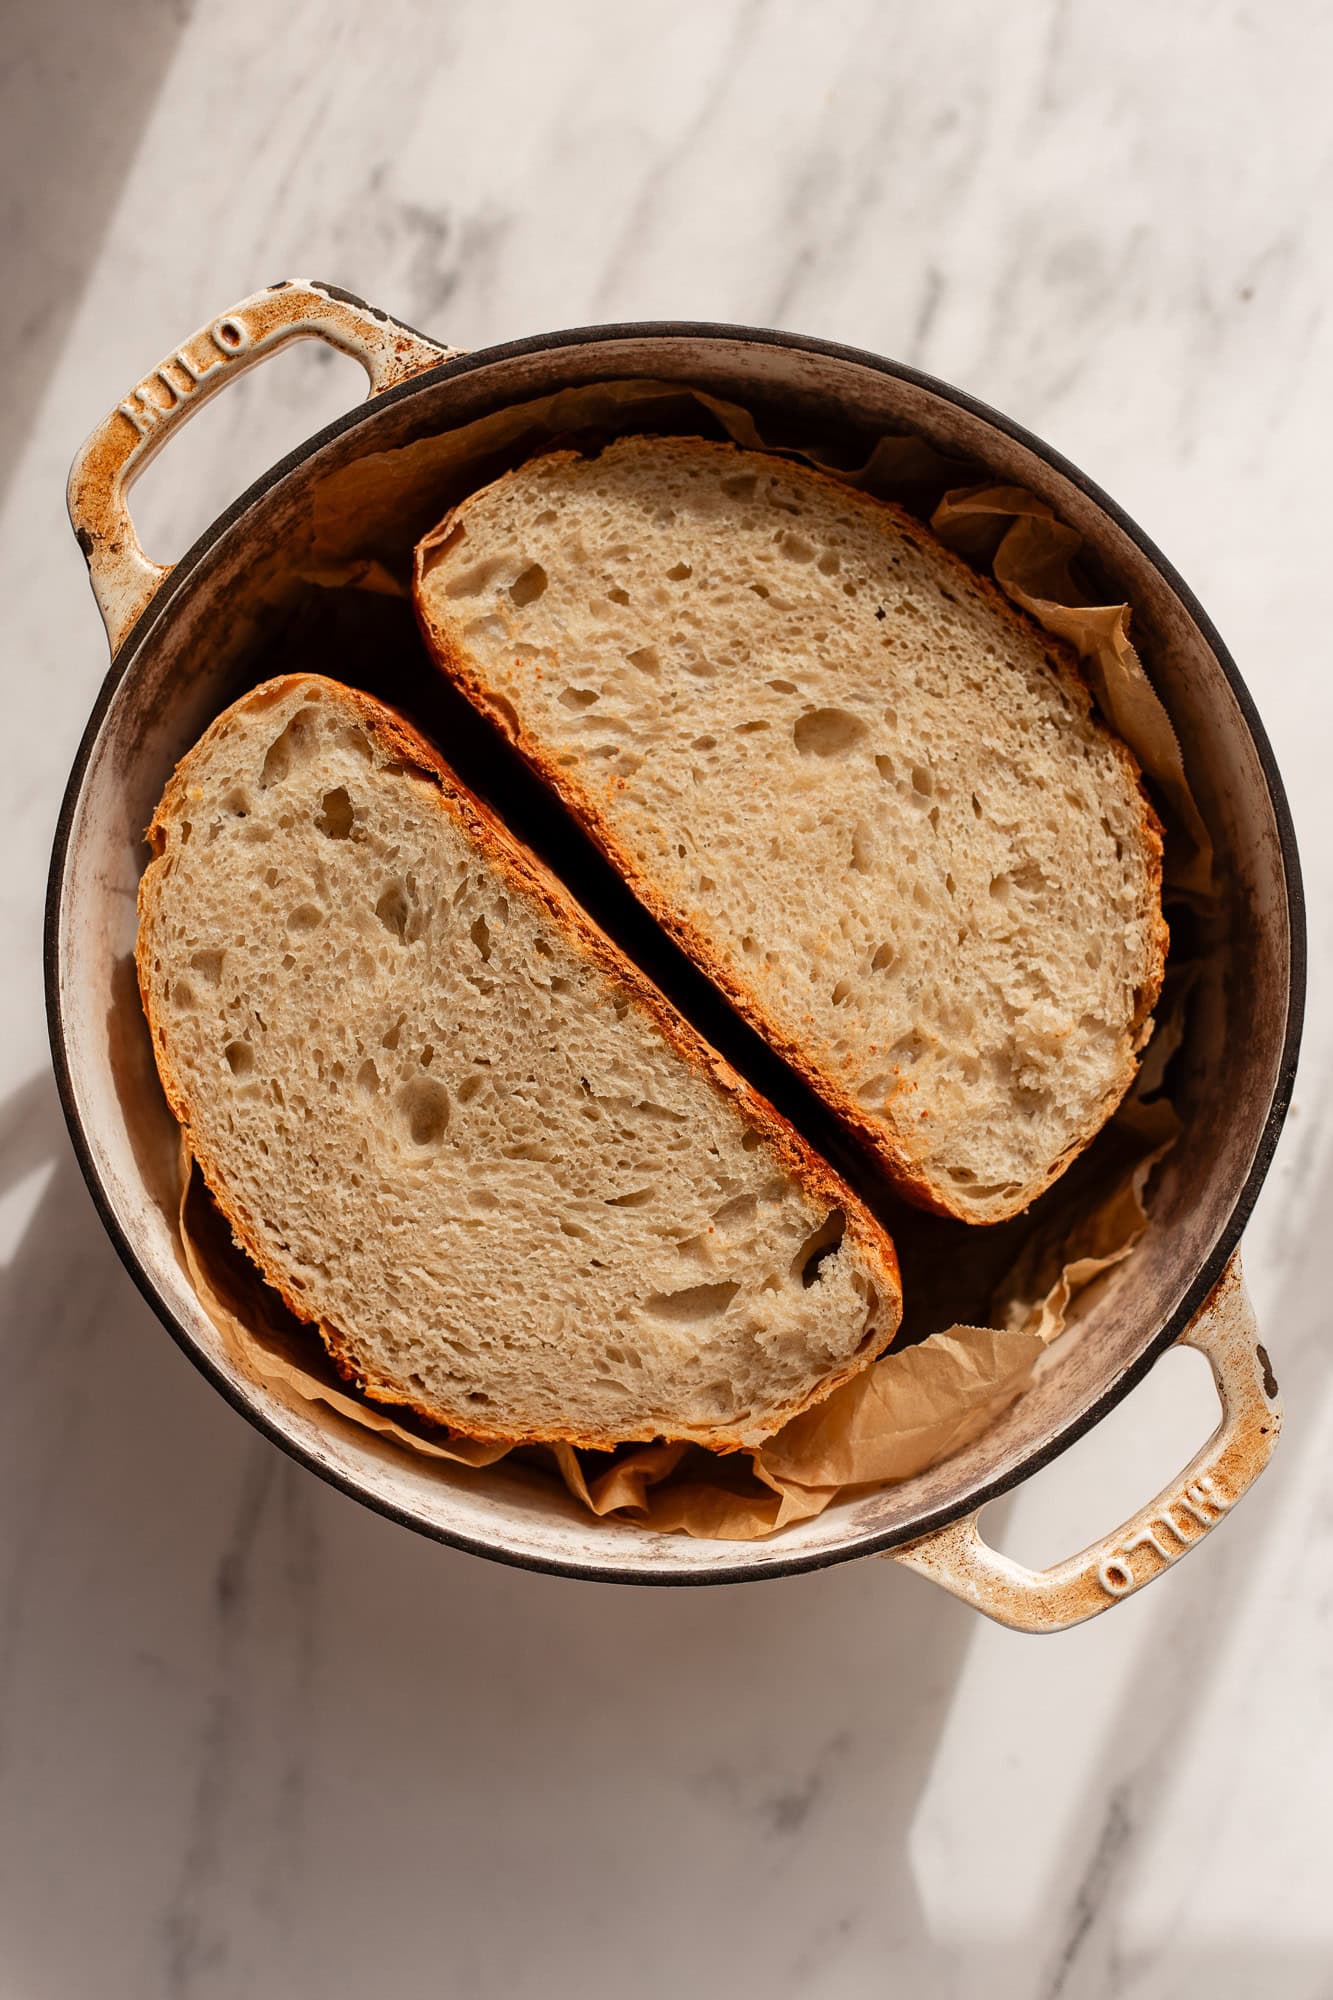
1050	1600
123	578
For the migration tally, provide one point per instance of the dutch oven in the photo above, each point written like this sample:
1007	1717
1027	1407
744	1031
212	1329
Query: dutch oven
185	640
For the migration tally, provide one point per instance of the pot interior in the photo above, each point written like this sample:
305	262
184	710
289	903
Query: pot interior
242	606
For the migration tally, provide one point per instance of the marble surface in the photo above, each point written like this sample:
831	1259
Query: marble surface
256	1741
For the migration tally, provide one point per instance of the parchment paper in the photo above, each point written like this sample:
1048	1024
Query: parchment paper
919	1403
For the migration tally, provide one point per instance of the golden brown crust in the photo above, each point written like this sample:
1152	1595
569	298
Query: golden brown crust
871	1133
526	876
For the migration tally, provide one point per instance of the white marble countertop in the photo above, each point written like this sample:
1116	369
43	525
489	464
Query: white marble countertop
257	1741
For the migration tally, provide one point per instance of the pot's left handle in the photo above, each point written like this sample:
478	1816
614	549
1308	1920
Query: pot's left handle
124	579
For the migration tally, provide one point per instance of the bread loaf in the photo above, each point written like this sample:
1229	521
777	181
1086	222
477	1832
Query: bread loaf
455	1127
866	795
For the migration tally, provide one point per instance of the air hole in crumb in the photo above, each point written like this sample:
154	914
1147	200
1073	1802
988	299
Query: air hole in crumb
740	485
646	659
368	1078
783	687
240	1058
922	781
842	991
618	596
751	1141
829	563
392	909
528	587
760	589
819	1247
678	572
1000	887
486	627
208	964
976	805
472	582
694	1303
647	1108
480	935
305	917
335	817
572	697
636	1198
884	765
289	749
883	958
424	1106
469	1087
827	732
862	848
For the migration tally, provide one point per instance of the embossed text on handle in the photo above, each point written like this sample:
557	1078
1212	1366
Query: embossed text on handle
180	375
1166	1536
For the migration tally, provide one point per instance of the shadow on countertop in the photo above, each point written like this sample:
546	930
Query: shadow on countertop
256	1740
78	82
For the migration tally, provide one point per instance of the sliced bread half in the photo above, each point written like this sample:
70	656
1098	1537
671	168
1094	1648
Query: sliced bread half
455	1127
868	796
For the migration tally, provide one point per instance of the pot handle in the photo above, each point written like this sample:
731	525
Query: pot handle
123	578
1122	1562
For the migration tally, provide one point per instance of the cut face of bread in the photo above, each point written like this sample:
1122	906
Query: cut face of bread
866	795
455	1127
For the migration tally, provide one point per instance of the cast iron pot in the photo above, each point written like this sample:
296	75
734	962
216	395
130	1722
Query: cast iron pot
184	642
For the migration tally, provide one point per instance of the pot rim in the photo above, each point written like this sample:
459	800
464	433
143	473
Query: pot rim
879	1542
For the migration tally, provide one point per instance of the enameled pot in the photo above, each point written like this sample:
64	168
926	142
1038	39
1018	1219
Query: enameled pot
185	641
